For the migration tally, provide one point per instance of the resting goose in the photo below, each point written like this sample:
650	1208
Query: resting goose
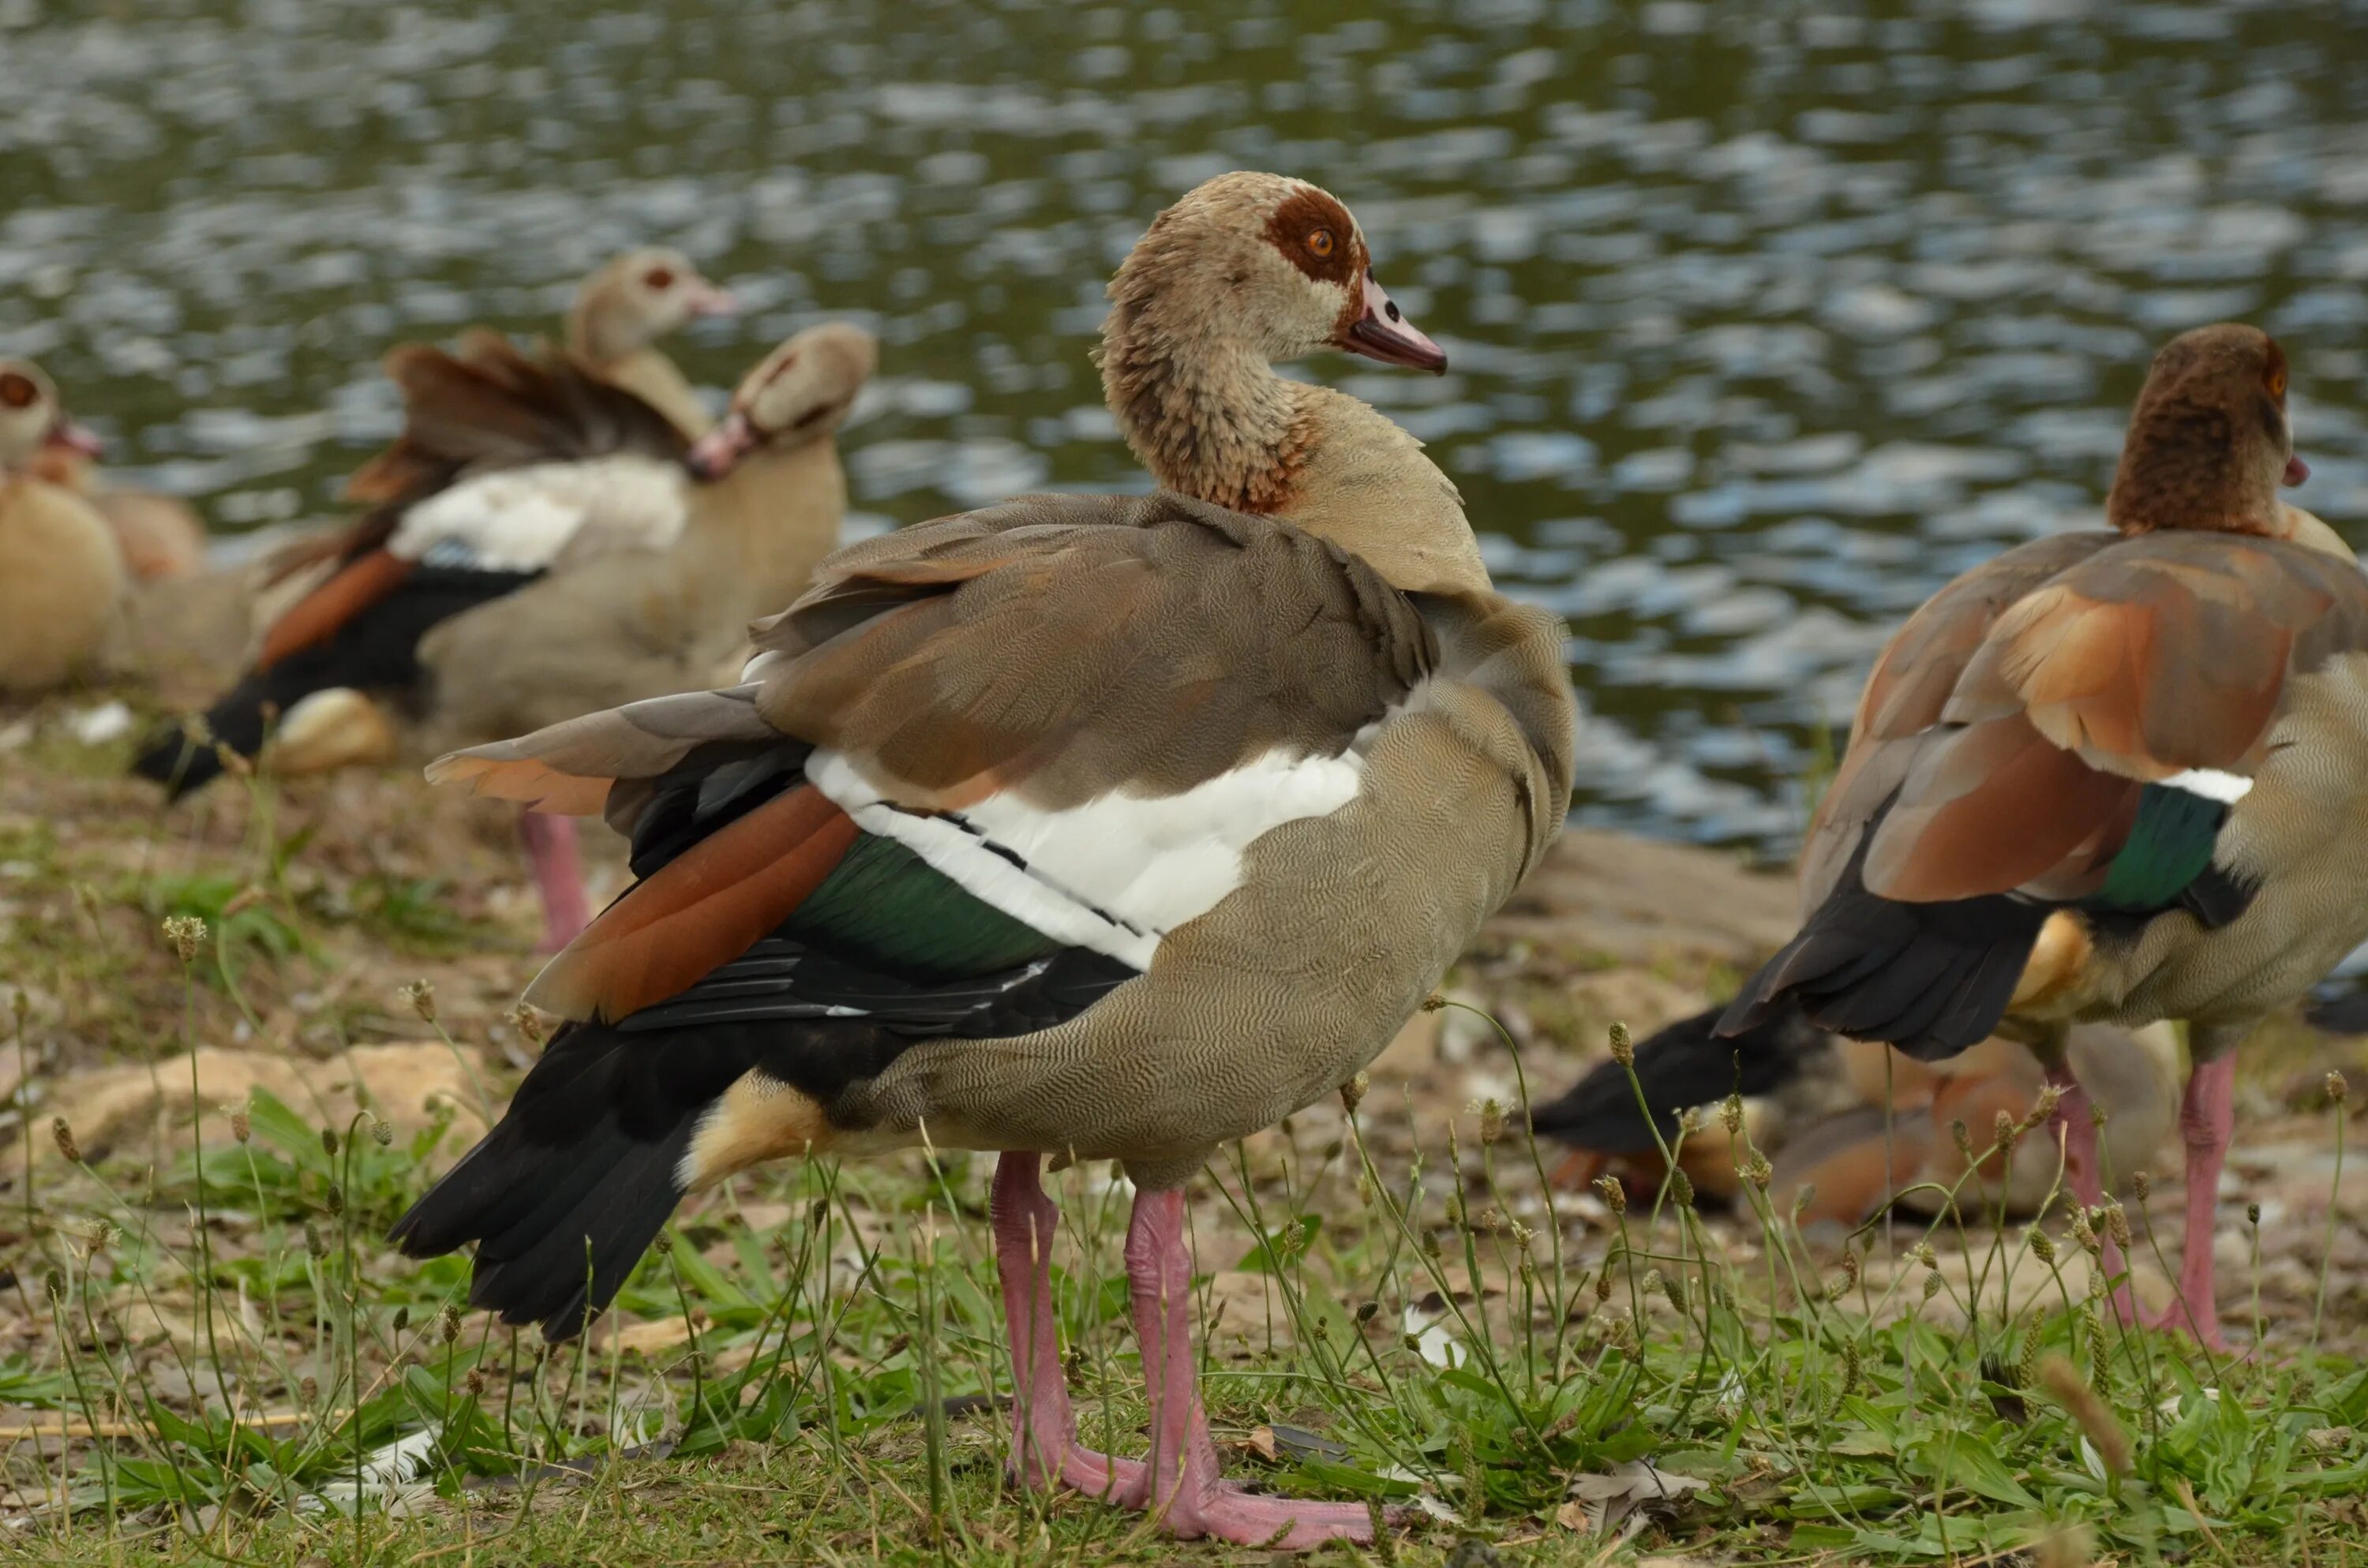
159	536
1094	827
62	578
2115	775
545	555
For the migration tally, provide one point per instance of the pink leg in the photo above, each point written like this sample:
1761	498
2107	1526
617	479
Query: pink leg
1186	1492
550	849
2082	1171
1043	1433
2207	1116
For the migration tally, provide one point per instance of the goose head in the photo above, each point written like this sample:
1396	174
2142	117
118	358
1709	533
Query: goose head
797	394
1264	264
2210	443
637	299
31	421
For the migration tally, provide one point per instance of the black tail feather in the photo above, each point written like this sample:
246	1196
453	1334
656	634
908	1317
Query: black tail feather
175	758
1931	979
1684	1065
567	1192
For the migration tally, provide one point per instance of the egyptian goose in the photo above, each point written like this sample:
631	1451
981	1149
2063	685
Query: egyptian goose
2113	776
160	536
545	555
62	578
1849	1131
621	312
1095	827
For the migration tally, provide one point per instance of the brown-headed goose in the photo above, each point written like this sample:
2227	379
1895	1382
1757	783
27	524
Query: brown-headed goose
545	553
62	576
2117	775
1084	826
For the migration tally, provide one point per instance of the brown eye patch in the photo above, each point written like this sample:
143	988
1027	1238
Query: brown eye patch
1299	220
658	279
17	390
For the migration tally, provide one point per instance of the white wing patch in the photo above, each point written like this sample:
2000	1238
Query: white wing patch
529	519
2212	784
1121	872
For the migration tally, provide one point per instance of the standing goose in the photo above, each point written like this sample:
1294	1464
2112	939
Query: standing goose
62	578
2116	776
1102	828
546	553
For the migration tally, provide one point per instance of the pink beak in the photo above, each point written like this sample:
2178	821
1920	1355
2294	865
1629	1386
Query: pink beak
1383	333
2296	471
719	451
67	436
705	299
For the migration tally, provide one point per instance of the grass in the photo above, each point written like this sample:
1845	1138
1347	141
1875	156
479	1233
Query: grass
208	1354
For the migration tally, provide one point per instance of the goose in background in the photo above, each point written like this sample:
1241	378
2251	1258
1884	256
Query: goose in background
61	574
2111	777
544	553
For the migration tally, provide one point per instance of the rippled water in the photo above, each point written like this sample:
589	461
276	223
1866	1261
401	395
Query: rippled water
1765	318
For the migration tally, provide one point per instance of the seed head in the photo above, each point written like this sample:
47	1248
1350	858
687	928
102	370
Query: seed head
2082	1231
329	1142
474	1383
67	1147
2117	1224
663	1241
1849	1270
1492	1121
1352	1093
528	1022
1522	1235
381	1133
2096	1116
308	1389
421	994
333	1200
184	934
402	1320
1730	1115
314	1245
1681	1187
2004	1134
1963	1136
1615	1197
2339	1088
2043	1245
1434	1003
1922	1253
1758	1171
54	1282
1368	1311
1603	1280
448	1324
2141	1184
1674	1289
1931	1286
2253	1215
1624	1049
2043	1108
241	1126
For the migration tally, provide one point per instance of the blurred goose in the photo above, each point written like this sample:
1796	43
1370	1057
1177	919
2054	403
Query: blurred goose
2116	776
1851	1125
61	577
624	310
546	553
159	536
1097	827
612	332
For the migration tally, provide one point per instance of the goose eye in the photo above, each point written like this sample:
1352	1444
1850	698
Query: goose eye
17	392
1321	242
2276	381
658	280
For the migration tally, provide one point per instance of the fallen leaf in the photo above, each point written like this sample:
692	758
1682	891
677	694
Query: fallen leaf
1571	1515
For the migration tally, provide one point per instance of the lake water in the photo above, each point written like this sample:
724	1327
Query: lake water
1765	318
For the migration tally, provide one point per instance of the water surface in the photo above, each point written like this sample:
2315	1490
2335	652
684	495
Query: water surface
1765	318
